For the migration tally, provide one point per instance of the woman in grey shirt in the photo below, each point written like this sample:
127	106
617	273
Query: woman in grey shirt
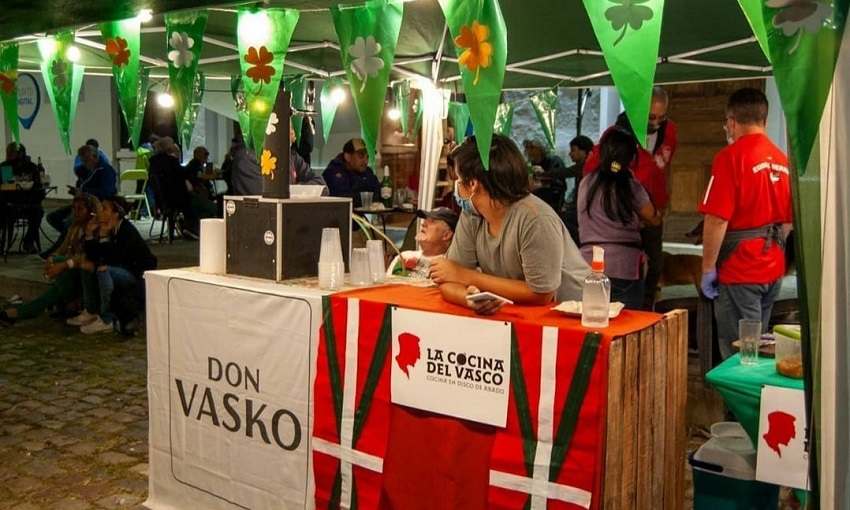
522	248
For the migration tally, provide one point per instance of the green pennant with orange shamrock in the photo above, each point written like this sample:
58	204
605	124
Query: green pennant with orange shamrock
9	86
629	33
481	38
185	36
122	40
367	35
263	36
63	80
803	38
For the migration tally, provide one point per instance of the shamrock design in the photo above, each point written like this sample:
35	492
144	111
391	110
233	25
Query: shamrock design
627	13
268	163
794	16
7	81
117	49
272	125
365	63
478	51
181	55
259	60
59	69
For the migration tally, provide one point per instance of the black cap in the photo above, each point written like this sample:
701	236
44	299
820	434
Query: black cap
355	145
441	213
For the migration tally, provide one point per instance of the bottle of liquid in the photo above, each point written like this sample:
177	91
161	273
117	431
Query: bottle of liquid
42	175
596	293
387	189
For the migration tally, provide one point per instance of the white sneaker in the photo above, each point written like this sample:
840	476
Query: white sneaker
98	326
82	319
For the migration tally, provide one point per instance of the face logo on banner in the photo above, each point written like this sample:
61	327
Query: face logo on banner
465	370
781	430
783	450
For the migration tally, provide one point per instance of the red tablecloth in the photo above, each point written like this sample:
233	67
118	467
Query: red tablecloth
381	455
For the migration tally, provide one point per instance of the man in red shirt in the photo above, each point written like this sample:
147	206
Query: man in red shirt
747	208
651	170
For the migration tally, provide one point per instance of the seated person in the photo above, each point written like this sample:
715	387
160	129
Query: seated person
434	237
118	257
25	170
520	245
349	174
580	148
202	194
172	185
300	171
547	179
63	266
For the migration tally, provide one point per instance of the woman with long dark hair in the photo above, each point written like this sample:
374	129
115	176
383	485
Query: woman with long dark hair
612	207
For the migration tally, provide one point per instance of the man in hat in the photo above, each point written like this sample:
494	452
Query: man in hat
348	174
434	237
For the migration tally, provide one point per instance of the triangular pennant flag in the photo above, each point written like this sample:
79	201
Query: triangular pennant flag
9	86
803	43
481	39
263	38
297	88
241	105
141	103
63	81
401	96
328	103
504	119
546	107
123	40
184	33
629	33
367	36
187	125
459	115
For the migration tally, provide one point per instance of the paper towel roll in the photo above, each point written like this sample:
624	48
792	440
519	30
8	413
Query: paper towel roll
212	246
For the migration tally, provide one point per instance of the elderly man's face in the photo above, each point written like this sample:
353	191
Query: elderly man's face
357	161
657	115
434	231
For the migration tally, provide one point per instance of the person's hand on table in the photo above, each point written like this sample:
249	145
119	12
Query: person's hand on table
485	307
444	270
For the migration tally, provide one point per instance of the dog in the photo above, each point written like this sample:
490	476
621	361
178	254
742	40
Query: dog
680	270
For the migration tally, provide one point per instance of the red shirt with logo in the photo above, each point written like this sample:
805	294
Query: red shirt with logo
750	187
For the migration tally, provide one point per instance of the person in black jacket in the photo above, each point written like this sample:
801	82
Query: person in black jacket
118	258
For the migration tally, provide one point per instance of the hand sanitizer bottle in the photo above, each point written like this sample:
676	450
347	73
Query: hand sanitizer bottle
596	293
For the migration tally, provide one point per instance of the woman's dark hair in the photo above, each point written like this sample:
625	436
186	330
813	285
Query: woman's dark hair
507	179
119	205
617	150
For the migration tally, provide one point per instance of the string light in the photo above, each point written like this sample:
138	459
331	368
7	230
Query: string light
145	15
338	95
394	113
72	53
165	100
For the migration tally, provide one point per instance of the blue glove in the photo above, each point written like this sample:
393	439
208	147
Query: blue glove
709	284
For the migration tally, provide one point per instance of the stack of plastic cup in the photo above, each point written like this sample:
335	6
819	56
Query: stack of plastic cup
331	265
360	273
377	260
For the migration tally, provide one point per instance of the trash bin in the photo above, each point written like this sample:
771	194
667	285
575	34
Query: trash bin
724	478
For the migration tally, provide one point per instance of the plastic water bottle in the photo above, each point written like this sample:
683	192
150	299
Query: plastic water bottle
596	293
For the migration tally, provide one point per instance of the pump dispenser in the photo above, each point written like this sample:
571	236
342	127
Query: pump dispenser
596	293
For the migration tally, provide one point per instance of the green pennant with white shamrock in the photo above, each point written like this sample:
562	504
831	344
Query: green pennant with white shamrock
629	33
401	96
504	119
459	115
481	41
297	87
803	39
329	102
184	33
63	80
546	107
367	35
123	40
263	37
9	86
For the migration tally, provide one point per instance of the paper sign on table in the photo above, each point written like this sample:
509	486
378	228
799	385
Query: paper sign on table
460	368
783	457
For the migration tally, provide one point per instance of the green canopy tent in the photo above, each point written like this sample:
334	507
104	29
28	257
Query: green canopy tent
549	43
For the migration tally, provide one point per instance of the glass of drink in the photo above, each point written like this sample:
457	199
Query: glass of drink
749	334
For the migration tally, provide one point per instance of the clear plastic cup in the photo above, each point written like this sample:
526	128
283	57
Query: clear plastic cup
377	258
331	247
749	333
366	199
331	275
360	273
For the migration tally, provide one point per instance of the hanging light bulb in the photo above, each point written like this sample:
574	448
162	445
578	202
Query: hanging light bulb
393	113
72	53
338	95
165	100
145	15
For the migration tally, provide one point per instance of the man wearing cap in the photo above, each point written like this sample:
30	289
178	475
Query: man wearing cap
348	174
435	236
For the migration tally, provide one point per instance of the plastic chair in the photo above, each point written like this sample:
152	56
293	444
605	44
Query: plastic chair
135	175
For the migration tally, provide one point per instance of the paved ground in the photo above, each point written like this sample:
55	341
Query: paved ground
73	408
